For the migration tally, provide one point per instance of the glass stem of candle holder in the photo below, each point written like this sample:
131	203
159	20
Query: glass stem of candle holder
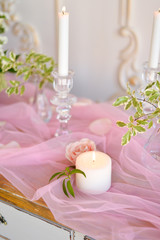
41	102
63	100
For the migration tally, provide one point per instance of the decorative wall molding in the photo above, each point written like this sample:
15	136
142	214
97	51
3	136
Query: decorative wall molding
25	33
127	71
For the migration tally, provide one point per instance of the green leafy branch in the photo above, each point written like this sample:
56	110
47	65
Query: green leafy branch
33	64
140	121
67	173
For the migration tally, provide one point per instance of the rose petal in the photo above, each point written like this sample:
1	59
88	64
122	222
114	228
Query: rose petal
100	126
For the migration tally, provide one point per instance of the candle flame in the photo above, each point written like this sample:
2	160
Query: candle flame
94	157
63	10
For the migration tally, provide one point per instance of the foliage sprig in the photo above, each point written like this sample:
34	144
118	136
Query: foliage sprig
33	64
67	173
140	121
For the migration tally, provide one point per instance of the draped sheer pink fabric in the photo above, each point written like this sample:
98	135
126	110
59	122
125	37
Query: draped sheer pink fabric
130	210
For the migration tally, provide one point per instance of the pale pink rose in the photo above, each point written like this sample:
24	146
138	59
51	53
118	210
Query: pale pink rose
73	150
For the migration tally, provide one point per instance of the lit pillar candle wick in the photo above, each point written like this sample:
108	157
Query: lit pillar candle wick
94	157
63	10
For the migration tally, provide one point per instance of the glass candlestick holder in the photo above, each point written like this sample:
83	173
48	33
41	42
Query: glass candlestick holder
149	75
63	100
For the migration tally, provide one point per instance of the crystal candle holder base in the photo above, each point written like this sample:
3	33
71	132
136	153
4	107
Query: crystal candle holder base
63	100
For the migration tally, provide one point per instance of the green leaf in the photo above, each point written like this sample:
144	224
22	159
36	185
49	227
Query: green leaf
54	175
3	82
135	102
70	188
29	56
6	67
154	114
131	119
154	96
142	122
126	138
128	105
148	92
61	175
27	75
6	59
120	101
22	90
121	124
12	56
158	84
64	188
139	129
12	82
50	79
128	89
136	115
22	70
49	70
158	121
16	90
41	84
10	90
17	56
134	133
150	124
78	171
67	169
139	109
150	85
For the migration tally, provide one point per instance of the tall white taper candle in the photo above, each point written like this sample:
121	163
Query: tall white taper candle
155	41
63	43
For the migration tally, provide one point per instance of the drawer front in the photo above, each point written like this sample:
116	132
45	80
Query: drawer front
21	225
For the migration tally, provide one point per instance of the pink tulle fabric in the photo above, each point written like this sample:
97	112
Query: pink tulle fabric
130	210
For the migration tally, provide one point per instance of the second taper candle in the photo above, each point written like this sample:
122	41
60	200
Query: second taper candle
155	41
63	42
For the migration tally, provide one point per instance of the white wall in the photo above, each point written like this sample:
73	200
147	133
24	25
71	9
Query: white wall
95	43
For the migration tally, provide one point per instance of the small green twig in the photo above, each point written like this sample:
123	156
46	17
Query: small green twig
144	116
144	100
67	173
141	121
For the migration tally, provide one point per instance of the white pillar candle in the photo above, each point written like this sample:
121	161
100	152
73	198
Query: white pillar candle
63	43
155	41
97	167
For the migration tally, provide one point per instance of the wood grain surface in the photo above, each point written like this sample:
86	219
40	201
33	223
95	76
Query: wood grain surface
9	194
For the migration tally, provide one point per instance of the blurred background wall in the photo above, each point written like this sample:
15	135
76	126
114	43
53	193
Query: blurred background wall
96	40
